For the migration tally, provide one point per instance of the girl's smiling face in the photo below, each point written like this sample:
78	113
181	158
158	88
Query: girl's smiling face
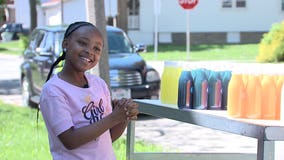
84	48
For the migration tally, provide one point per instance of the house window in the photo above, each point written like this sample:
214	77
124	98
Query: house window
241	3
133	14
282	5
227	4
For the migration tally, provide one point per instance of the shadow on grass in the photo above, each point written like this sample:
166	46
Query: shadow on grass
3	49
182	48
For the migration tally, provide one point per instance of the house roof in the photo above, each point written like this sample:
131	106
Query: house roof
48	3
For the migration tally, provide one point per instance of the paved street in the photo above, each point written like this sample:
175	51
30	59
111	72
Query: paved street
10	79
185	137
172	135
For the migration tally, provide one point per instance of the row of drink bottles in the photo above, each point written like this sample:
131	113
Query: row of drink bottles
255	96
195	89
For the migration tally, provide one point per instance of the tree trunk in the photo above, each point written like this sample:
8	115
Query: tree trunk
122	16
100	21
33	13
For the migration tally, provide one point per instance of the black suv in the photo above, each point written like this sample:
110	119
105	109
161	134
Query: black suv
129	74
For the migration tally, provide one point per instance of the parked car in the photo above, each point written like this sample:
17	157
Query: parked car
130	76
10	31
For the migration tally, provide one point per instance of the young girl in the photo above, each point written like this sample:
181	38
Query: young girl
76	107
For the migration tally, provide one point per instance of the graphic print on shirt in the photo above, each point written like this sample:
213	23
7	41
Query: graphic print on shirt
93	112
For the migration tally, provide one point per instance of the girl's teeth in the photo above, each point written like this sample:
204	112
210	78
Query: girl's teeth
86	59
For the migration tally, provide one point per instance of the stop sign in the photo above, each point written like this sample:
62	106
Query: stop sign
187	4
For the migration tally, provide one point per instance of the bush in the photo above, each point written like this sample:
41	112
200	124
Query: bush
23	40
271	47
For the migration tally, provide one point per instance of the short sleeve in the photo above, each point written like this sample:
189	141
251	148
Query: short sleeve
55	111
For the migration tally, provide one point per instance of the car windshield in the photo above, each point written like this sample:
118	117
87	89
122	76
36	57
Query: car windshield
58	41
118	42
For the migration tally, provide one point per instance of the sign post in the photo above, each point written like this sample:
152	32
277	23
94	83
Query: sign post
157	10
187	5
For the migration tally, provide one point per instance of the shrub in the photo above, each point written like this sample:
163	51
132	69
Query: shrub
271	47
23	40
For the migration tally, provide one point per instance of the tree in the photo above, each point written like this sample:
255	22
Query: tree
100	21
33	14
2	11
122	19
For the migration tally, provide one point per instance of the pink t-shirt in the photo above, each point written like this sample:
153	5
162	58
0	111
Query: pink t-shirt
64	105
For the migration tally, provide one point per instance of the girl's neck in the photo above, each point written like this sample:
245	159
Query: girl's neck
77	79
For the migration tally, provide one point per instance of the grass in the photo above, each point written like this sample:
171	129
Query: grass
21	137
231	52
12	48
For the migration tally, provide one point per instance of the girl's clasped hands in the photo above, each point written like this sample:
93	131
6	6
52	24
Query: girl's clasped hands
126	108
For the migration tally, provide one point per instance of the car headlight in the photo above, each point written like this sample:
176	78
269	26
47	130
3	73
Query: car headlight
152	76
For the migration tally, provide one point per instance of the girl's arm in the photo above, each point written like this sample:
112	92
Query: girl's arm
73	138
116	122
131	109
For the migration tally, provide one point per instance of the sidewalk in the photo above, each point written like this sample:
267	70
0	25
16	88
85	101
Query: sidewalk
183	137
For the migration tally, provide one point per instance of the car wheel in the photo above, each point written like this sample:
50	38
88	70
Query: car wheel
26	94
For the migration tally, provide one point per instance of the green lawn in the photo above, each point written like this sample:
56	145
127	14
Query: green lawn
230	52
12	48
23	138
237	52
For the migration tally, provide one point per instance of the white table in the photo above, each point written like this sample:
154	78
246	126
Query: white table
265	131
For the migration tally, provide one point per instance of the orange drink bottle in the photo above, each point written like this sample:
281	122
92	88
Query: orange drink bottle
269	97
245	78
169	82
254	96
282	104
236	96
279	84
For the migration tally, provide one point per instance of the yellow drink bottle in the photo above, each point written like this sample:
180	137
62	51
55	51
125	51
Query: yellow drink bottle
169	82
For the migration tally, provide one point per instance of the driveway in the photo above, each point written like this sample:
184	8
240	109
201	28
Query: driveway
10	79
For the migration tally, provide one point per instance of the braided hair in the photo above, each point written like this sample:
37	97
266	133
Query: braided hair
71	28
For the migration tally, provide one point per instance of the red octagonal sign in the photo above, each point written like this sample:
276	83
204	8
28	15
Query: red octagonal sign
187	4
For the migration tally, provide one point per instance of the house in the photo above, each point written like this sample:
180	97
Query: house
211	21
7	12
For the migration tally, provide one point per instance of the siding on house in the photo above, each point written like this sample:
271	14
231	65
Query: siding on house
209	22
